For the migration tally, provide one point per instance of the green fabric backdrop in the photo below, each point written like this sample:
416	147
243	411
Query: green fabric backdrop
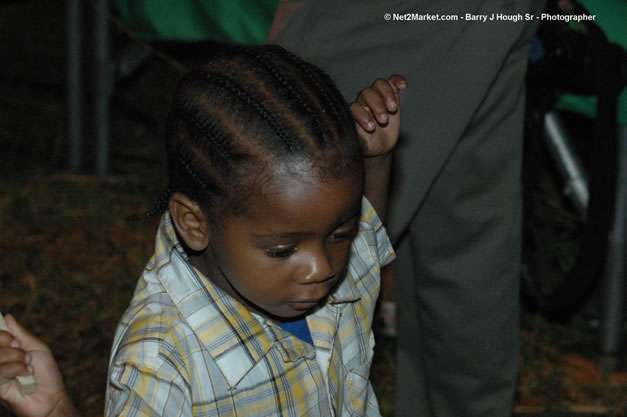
611	15
241	21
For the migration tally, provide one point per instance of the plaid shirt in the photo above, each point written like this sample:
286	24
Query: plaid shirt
186	348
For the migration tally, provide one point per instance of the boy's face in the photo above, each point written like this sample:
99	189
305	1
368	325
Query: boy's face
291	247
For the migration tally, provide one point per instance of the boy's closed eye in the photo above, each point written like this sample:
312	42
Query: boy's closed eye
281	252
346	232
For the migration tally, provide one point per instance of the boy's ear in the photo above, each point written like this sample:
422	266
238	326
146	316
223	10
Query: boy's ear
190	221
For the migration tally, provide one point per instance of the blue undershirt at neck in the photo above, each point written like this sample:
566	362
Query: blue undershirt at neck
298	328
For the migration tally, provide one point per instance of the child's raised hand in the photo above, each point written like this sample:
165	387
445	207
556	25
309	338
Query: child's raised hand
377	115
22	353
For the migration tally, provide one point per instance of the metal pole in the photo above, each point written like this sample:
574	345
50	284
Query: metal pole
613	298
74	83
102	87
569	164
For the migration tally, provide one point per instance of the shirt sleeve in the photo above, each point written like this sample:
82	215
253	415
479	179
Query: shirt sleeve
380	242
145	377
370	251
135	390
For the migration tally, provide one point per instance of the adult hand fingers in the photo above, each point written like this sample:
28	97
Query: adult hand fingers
26	338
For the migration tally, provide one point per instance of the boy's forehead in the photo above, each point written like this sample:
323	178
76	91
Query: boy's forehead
307	197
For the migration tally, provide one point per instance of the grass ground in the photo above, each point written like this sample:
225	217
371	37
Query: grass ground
69	260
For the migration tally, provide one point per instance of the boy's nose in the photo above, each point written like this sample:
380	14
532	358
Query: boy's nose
316	268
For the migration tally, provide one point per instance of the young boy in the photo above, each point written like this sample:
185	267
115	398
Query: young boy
260	295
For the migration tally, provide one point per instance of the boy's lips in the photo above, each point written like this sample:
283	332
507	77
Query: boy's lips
315	298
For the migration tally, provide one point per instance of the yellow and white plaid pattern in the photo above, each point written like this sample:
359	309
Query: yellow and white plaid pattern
186	348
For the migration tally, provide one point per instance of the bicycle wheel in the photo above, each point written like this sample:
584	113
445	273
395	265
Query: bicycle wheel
565	249
565	246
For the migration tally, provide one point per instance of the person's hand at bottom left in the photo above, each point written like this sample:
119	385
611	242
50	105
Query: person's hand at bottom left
23	354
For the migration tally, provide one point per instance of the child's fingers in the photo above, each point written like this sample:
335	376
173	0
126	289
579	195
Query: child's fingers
390	88
398	81
382	97
372	100
378	105
363	117
388	92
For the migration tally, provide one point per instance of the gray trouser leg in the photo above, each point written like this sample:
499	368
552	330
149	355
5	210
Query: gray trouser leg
411	392
465	251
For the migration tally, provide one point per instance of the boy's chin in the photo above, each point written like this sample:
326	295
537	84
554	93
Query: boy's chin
294	311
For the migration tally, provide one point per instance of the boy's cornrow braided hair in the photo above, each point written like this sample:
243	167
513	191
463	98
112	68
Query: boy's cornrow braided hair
207	125
273	71
245	96
330	94
248	108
